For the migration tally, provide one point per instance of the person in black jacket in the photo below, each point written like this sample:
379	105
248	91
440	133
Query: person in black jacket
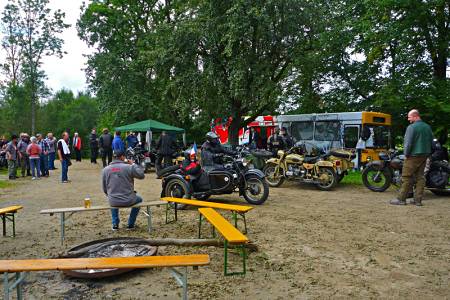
165	146
105	143
212	151
93	142
275	142
287	139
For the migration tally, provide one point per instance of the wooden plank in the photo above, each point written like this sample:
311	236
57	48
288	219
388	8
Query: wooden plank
233	207
10	209
229	232
26	265
92	208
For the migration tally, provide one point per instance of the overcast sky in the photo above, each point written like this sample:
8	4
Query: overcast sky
66	72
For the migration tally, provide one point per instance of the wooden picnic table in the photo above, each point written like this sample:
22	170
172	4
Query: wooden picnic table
71	210
234	208
20	268
8	214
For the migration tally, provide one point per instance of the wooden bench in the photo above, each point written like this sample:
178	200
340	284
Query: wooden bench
230	234
8	213
21	267
72	210
235	209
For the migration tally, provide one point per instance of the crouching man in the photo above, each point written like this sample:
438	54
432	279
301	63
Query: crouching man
118	185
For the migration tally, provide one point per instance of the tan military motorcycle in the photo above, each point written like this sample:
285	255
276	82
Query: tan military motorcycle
293	165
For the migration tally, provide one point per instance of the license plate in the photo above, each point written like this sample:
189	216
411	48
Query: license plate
147	159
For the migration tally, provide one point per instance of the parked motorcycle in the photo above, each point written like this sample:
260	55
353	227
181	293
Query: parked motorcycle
295	165
342	160
256	158
142	157
234	176
379	175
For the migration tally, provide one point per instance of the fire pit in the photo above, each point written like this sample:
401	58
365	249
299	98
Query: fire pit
111	247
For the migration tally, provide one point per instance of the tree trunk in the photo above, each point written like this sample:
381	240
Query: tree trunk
233	130
154	242
33	104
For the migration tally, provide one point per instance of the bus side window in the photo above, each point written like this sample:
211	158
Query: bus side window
351	136
326	131
302	130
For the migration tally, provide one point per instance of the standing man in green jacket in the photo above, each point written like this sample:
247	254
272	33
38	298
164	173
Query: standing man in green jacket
417	148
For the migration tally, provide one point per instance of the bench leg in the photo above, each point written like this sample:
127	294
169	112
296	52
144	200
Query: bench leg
19	278
5	284
168	209
225	263
149	219
14	225
4	224
200	226
19	287
235	219
63	217
181	278
245	222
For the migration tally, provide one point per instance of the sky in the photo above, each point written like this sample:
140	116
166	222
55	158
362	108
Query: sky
66	72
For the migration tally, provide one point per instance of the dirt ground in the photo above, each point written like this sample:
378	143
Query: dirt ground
348	243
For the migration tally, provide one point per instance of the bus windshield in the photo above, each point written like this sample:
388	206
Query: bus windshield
379	137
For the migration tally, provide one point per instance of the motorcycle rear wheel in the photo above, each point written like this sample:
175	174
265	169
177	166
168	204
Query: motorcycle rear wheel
176	188
269	171
375	179
330	183
257	190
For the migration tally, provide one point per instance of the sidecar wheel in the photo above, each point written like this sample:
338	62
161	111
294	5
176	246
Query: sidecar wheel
178	189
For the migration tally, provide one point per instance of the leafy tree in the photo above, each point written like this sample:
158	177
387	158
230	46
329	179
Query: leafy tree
390	56
193	56
31	34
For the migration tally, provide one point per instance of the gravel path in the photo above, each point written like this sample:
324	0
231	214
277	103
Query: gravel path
348	243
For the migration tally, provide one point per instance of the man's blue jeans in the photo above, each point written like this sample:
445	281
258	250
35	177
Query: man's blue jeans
133	214
44	164
64	170
51	160
35	164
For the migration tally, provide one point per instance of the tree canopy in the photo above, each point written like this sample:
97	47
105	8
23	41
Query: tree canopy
185	62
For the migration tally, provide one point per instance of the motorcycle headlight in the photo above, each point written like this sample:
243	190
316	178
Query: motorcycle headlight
245	162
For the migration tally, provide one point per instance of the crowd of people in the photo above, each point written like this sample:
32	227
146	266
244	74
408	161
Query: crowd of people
35	156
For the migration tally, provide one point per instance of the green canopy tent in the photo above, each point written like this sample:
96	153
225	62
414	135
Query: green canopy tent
151	126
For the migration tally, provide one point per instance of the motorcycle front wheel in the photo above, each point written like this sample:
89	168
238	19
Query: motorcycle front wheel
176	188
375	179
270	177
327	179
440	192
257	190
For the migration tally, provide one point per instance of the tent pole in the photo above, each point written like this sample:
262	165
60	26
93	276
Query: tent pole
150	137
184	139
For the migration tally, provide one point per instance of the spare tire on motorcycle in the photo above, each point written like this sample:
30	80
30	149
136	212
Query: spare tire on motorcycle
343	154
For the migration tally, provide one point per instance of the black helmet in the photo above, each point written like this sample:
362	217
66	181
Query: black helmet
211	137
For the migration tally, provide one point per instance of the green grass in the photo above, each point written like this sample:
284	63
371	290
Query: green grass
4	171
353	177
5	184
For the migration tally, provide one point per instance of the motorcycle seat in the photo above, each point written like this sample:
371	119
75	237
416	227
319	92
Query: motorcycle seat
310	159
261	153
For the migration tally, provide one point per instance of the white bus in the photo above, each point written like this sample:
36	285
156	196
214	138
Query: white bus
341	130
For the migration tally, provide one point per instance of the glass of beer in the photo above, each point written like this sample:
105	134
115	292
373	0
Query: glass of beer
87	202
